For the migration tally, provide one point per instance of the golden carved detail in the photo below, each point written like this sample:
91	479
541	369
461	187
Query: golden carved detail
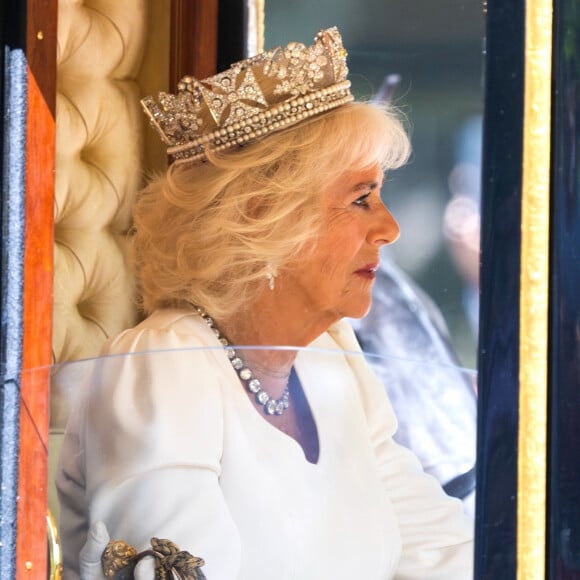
534	277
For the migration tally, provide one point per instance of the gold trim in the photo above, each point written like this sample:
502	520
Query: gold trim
255	31
54	551
532	437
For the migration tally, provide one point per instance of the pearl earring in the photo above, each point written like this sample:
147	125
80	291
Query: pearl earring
271	276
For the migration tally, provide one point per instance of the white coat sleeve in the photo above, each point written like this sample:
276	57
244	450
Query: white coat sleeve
436	535
150	449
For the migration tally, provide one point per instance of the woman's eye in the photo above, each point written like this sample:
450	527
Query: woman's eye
363	200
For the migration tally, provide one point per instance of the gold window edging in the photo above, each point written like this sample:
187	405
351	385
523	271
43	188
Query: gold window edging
534	276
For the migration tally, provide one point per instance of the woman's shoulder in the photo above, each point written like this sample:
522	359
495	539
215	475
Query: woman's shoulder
163	329
373	396
153	400
162	375
163	359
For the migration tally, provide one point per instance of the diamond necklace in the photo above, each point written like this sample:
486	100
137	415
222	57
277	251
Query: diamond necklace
269	405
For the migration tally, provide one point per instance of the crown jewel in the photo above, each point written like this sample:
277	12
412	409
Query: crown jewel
262	94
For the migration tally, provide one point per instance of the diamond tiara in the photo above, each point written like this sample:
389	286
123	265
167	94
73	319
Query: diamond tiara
254	97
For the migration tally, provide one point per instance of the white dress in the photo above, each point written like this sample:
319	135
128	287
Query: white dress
168	444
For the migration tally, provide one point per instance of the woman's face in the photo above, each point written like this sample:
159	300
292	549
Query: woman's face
334	276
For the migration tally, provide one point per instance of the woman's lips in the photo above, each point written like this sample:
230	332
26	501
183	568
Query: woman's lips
368	271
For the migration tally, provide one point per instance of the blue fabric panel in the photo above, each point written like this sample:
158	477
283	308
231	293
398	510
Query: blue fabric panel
563	559
498	360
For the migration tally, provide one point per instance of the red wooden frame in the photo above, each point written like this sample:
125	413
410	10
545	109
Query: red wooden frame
31	548
193	45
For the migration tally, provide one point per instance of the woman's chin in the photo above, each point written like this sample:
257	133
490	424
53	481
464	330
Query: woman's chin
359	310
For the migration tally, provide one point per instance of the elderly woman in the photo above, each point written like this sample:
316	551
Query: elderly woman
265	462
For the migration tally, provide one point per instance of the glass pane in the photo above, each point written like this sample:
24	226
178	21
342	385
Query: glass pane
170	444
427	58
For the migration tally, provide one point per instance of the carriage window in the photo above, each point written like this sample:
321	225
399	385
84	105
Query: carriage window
431	68
425	305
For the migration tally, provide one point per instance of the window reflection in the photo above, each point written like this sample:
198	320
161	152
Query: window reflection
325	373
438	62
426	299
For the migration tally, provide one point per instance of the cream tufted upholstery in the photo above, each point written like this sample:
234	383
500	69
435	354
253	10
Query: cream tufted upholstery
99	168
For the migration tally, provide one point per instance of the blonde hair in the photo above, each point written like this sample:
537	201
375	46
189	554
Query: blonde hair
206	233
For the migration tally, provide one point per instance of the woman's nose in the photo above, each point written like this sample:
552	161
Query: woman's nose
386	230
